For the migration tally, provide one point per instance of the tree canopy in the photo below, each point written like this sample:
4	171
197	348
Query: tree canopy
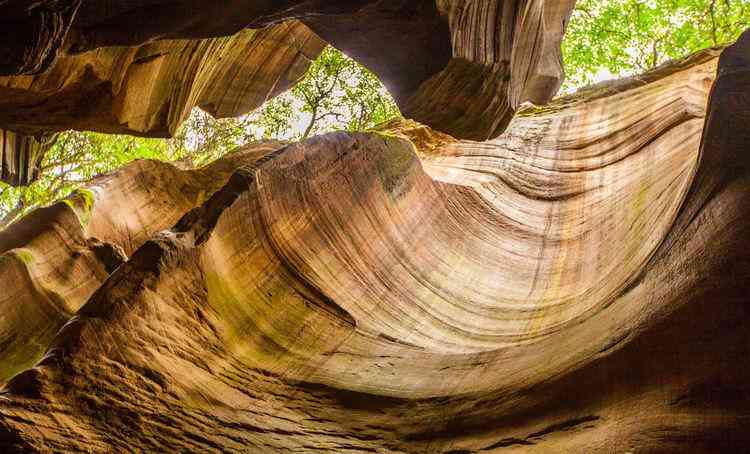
337	93
615	38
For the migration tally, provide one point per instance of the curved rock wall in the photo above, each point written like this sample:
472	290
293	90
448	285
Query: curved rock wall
577	285
150	89
473	59
139	67
54	259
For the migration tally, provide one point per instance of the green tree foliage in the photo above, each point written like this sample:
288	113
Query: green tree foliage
74	160
614	38
202	138
336	94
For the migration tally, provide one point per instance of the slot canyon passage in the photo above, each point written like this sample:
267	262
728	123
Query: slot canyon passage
484	277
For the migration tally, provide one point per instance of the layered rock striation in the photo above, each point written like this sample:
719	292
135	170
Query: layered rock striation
138	67
578	284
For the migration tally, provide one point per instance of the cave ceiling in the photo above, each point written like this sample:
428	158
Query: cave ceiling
482	276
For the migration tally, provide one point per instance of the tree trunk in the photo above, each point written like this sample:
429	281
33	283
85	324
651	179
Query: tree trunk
579	284
311	124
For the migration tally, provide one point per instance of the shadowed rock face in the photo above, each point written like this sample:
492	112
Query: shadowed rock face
139	67
475	59
578	284
149	89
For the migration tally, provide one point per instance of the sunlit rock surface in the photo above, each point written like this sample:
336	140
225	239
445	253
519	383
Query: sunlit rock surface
578	284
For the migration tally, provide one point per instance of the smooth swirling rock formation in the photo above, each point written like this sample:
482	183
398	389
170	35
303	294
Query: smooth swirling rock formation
149	90
578	284
459	66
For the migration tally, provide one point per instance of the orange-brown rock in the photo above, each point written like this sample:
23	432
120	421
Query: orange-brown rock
151	88
54	259
148	90
473	59
139	67
577	285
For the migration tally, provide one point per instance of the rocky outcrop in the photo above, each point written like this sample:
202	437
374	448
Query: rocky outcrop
504	53
577	285
460	66
117	66
150	89
35	31
147	90
54	259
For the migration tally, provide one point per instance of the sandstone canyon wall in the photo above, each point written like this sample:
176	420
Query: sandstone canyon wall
577	284
461	66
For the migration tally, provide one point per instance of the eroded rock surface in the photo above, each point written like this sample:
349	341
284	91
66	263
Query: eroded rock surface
577	285
473	59
149	89
54	259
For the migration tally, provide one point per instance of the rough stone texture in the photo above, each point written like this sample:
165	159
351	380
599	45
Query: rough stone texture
34	31
52	260
577	285
504	53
